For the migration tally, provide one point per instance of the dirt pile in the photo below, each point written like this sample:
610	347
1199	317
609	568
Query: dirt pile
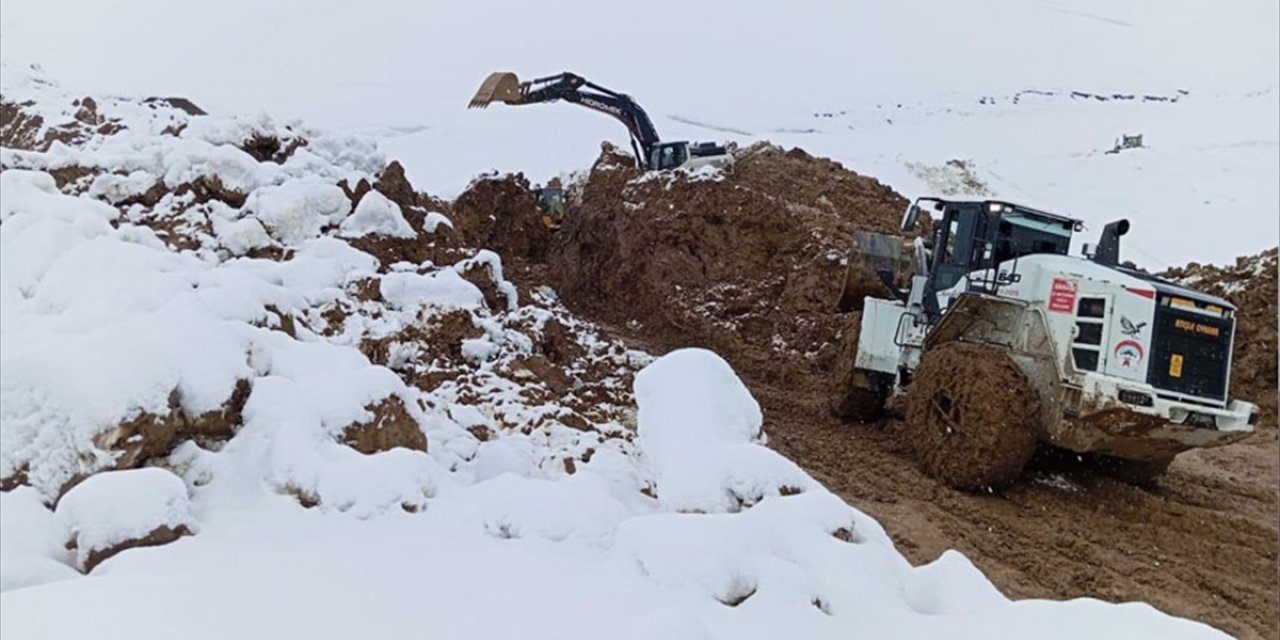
22	129
747	262
390	426
1250	284
501	214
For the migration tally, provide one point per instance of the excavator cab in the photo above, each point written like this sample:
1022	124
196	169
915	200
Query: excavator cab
550	204
669	155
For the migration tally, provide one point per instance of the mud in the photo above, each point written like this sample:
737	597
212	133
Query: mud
501	214
391	426
750	265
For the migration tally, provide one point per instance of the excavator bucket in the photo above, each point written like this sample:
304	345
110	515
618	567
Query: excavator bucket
872	253
501	86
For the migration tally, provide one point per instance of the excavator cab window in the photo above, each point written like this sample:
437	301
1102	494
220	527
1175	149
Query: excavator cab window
669	156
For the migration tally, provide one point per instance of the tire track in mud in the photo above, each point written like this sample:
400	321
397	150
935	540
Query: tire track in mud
1197	546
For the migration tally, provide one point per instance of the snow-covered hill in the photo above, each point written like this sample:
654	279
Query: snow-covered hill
348	433
893	90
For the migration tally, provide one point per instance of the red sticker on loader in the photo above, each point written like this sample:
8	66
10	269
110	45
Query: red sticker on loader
1062	297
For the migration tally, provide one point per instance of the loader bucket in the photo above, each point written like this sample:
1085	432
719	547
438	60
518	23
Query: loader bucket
500	86
873	252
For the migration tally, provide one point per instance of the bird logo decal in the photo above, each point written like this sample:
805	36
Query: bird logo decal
1128	328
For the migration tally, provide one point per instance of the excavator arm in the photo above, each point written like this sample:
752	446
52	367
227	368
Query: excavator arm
506	87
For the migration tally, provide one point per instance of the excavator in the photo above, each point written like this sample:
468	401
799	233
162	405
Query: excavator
652	154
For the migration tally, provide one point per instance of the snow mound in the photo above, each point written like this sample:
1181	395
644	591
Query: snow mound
376	215
31	542
700	428
297	210
119	509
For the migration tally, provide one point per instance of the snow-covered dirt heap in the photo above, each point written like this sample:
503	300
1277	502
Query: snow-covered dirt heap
748	261
247	369
1250	284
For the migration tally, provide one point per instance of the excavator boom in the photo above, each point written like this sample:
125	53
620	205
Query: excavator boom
505	87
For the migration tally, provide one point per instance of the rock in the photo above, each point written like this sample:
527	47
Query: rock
119	510
391	426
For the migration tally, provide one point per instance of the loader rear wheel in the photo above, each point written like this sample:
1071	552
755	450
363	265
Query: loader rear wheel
971	416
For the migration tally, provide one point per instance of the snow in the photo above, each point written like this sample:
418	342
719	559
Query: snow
297	210
376	215
700	428
115	507
434	219
31	550
443	288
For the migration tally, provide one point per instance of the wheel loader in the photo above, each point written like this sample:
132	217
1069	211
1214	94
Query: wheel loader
1002	343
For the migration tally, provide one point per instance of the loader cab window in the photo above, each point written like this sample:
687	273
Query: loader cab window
1019	234
955	241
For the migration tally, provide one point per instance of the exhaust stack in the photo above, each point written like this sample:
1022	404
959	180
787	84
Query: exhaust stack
1108	250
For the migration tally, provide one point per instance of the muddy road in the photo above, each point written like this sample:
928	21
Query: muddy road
1201	545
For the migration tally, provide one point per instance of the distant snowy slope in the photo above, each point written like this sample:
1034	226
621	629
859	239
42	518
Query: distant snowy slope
725	71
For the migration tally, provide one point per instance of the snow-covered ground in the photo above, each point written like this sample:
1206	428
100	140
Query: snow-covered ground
675	522
892	90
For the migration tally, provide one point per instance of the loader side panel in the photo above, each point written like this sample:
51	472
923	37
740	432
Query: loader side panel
878	339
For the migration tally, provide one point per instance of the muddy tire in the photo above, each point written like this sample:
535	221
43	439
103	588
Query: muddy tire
971	416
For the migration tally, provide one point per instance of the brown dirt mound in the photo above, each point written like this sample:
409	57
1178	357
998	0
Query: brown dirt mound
20	129
501	214
749	264
147	436
391	426
443	247
971	416
1250	284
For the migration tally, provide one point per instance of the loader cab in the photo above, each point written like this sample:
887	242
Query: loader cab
981	235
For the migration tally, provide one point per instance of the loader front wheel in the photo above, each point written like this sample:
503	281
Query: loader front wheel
1141	473
971	416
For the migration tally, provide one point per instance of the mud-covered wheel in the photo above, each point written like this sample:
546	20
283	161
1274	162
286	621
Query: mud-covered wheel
971	416
1142	473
